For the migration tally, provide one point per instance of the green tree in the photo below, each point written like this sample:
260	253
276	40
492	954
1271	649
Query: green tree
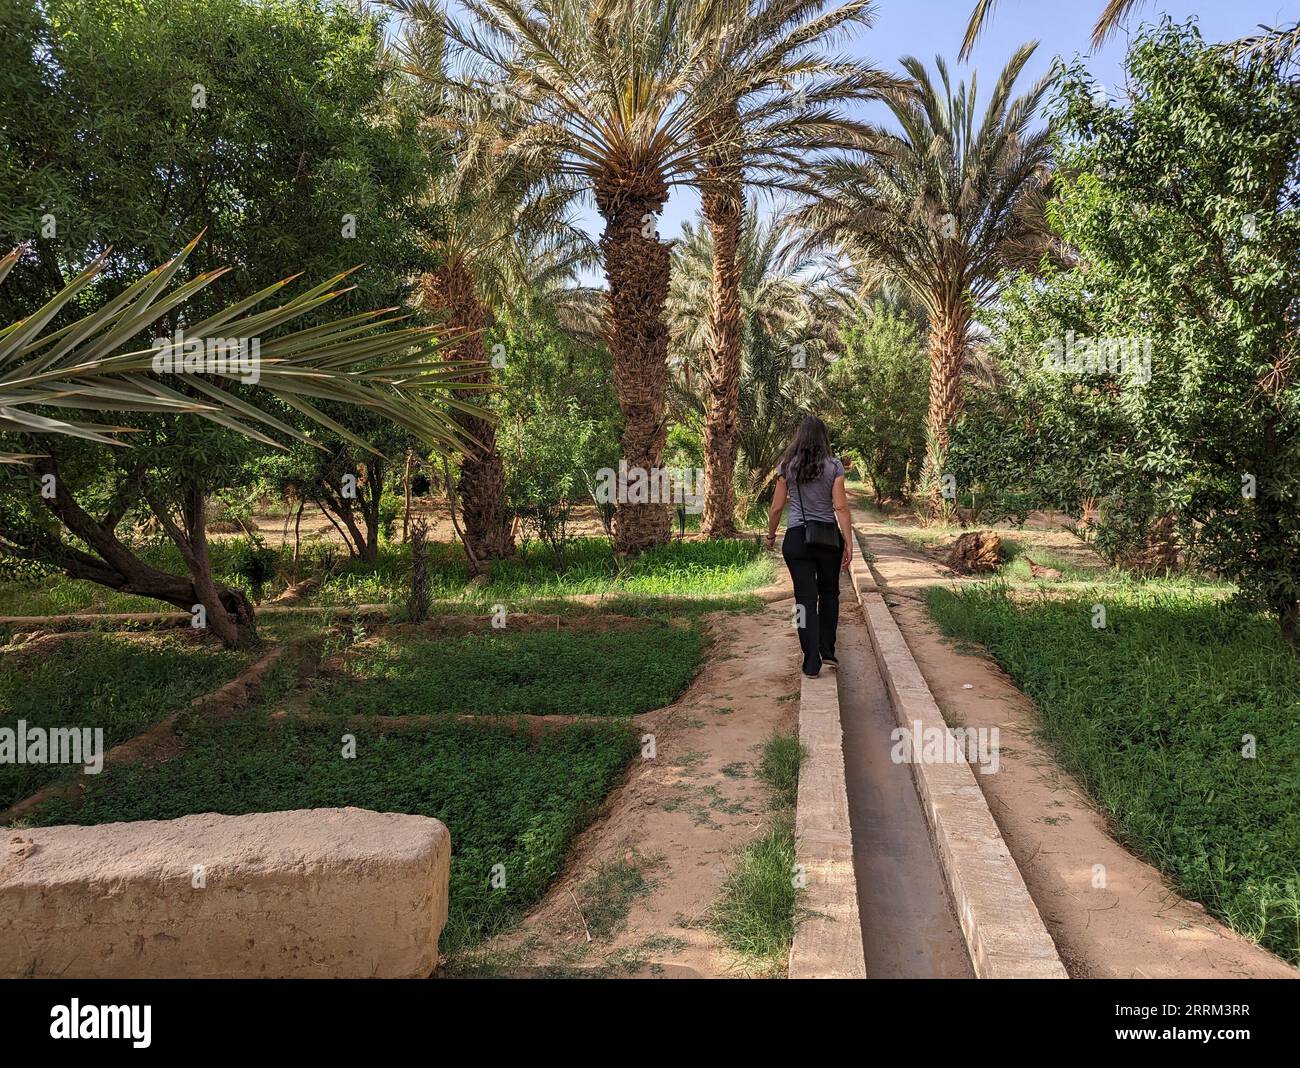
66	491
787	327
605	96
1183	219
782	104
878	393
272	126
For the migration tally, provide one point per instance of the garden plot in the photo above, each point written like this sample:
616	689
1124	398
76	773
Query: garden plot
117	684
586	568
596	665
1179	718
512	800
431	720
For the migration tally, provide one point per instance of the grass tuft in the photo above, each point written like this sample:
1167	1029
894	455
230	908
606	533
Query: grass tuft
756	913
779	767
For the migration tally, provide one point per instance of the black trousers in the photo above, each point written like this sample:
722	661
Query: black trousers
815	570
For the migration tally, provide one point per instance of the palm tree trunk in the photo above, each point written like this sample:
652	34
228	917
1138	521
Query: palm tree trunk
723	206
949	336
482	482
637	265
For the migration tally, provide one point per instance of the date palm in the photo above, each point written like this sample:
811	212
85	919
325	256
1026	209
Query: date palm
779	107
1108	21
507	242
786	333
99	362
1273	44
607	95
944	207
495	253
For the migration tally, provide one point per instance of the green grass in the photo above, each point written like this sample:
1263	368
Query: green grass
508	800
779	767
587	566
1150	714
607	896
101	680
706	570
54	594
1017	554
756	913
568	671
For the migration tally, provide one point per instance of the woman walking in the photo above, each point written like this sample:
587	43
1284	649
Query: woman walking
818	537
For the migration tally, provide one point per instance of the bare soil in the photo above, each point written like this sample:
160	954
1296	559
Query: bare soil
316	527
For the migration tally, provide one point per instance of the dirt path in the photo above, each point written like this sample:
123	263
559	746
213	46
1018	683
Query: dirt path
677	822
1135	926
909	930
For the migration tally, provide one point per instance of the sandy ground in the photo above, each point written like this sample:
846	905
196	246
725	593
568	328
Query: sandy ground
1135	926
680	816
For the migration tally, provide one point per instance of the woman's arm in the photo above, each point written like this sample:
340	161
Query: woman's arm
775	512
845	519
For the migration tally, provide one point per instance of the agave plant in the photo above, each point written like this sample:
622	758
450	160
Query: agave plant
95	364
943	206
779	106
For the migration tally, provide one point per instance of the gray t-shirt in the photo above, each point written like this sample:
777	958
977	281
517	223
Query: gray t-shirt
818	500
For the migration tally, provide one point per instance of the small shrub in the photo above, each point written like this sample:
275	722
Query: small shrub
254	562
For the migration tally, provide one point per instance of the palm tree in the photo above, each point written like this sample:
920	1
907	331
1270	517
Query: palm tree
945	209
82	366
607	95
1273	44
506	242
1111	16
784	314
778	108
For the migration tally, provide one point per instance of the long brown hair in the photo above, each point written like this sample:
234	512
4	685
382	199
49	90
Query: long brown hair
806	456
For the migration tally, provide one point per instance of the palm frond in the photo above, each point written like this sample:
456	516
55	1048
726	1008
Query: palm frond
101	362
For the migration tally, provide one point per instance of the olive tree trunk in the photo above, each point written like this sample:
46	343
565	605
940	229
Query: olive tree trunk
227	611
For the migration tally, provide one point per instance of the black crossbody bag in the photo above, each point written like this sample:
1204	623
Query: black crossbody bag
815	531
